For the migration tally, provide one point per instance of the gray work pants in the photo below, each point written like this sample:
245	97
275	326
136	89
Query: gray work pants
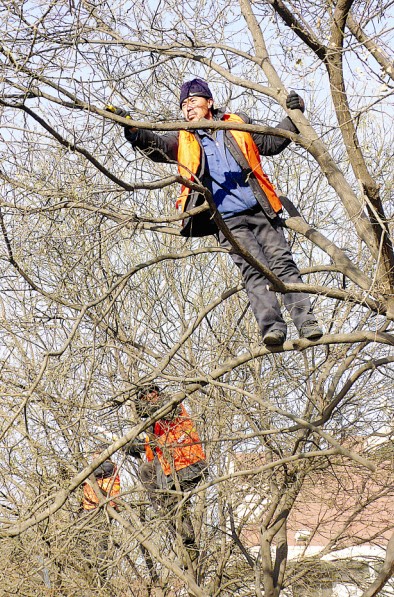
153	481
264	239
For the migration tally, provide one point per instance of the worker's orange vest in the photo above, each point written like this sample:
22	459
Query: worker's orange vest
189	158
109	486
178	444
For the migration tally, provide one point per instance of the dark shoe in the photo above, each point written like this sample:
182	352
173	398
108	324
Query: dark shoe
274	338
311	330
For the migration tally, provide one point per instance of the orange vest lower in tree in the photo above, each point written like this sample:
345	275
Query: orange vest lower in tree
109	486
177	443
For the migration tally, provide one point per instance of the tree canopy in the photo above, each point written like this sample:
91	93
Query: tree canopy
100	294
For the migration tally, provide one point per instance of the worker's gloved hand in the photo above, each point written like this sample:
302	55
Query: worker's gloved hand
295	102
118	111
134	448
122	113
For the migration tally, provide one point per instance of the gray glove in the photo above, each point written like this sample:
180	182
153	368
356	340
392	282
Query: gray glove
134	449
122	113
295	102
118	112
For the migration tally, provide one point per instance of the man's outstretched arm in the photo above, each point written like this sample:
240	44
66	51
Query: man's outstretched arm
273	144
159	148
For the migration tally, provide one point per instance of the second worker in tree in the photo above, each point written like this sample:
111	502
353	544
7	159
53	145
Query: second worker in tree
174	459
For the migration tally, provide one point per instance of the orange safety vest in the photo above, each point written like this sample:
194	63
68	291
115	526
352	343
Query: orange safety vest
189	158
111	484
178	444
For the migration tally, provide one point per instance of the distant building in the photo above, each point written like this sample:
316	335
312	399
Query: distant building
338	527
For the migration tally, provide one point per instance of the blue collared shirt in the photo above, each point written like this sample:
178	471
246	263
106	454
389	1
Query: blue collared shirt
225	177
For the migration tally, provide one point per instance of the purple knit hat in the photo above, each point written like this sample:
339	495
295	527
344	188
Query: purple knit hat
197	87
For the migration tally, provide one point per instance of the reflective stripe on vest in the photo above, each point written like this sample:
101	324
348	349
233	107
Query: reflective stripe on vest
90	499
189	158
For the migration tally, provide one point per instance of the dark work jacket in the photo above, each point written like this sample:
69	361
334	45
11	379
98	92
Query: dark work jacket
164	149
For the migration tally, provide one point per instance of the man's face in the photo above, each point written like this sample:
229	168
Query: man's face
151	396
195	108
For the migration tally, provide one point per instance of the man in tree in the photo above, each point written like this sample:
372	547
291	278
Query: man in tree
95	542
108	480
228	164
175	459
